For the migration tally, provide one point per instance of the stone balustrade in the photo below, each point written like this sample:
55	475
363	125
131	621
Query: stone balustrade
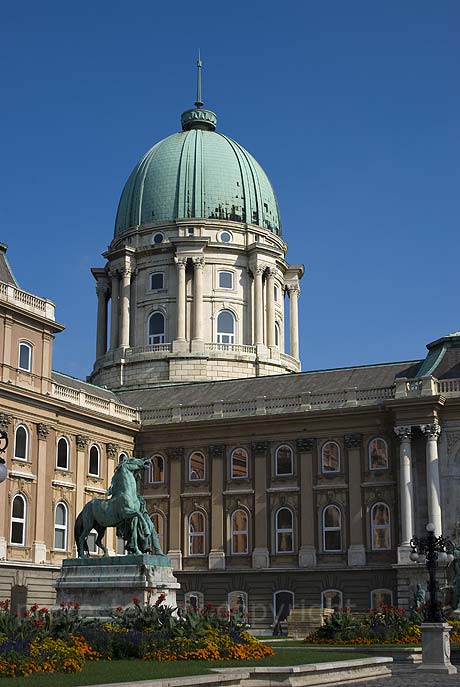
92	402
26	301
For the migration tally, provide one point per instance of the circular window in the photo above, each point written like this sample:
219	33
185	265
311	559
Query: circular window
225	237
158	238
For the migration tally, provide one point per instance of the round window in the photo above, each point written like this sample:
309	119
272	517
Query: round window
158	238
225	237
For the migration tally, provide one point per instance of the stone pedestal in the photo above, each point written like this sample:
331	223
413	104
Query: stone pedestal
436	648
356	555
307	557
101	584
260	558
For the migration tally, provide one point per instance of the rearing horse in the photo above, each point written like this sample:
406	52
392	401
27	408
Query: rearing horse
124	506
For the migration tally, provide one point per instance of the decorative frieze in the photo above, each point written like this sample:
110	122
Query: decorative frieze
353	440
42	430
176	453
217	451
305	445
453	438
112	450
82	442
259	447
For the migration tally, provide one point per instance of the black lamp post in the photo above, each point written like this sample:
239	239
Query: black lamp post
3	447
432	550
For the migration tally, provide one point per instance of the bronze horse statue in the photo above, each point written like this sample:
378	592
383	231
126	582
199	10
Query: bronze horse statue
125	510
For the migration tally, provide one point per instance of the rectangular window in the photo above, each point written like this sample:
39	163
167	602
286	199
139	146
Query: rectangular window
157	281
190	231
25	356
225	280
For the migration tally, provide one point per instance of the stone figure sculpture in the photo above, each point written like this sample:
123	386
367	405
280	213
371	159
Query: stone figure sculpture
419	597
125	510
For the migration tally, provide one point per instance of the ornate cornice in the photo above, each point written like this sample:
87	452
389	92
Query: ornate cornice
353	440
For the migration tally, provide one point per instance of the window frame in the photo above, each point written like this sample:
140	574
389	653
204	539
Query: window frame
162	335
156	274
59	467
232	279
284	474
161	536
234	532
232	475
275	594
29	348
196	479
231	336
150	469
22	520
335	591
284	530
386	526
244	596
61	528
221	233
94	474
339	450
199	596
331	529
277	335
24	459
157	243
385	467
202	534
375	591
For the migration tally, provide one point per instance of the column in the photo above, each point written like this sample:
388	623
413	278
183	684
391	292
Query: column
356	549
198	264
307	550
176	525
260	554
181	297
41	493
125	294
406	491
81	471
101	334
258	305
5	422
114	312
270	300
216	560
294	292
112	456
432	433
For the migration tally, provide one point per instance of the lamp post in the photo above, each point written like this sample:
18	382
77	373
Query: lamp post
431	551
4	441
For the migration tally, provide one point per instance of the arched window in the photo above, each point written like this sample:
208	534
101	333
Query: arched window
332	529
60	527
94	461
283	460
240	530
239	463
381	533
25	356
381	597
332	598
283	603
378	454
196	467
157	469
156	328
18	520
158	520
194	600
62	454
330	457
123	456
276	293
225	280
226	327
237	603
284	531
277	335
21	443
196	534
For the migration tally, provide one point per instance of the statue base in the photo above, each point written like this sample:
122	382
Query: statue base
102	584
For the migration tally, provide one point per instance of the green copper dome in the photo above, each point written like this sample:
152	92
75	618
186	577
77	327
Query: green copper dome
198	173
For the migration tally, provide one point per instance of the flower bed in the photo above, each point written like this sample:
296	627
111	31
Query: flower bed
41	641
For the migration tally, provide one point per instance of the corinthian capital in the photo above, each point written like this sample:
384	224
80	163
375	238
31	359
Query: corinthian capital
198	262
272	272
293	289
403	433
431	431
180	262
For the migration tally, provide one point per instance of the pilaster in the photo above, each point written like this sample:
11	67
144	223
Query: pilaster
176	459
216	560
260	554
432	432
307	550
39	543
356	549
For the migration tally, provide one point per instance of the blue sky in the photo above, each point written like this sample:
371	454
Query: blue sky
352	108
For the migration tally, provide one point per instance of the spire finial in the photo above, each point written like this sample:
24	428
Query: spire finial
199	102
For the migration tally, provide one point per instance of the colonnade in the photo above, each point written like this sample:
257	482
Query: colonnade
116	285
404	433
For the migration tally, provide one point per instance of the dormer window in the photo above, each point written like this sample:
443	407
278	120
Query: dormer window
25	356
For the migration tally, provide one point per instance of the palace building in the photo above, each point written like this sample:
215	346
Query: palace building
268	486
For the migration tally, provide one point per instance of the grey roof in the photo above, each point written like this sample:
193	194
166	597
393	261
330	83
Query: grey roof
80	385
323	381
6	273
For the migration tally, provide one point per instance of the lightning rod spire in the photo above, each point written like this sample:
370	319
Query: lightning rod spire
199	102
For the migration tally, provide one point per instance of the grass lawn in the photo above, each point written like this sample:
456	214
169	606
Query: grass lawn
125	671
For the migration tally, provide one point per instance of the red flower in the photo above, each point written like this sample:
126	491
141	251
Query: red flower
26	614
120	609
76	605
34	607
136	601
42	611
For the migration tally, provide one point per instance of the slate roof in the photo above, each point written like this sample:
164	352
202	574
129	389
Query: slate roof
80	385
6	273
322	381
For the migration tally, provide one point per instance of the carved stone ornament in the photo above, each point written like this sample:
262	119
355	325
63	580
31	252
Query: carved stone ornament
431	431
293	288
5	420
82	441
305	445
217	451
180	262
112	450
403	433
353	440
198	263
176	453
42	430
453	438
259	447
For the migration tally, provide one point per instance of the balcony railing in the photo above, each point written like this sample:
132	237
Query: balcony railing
92	402
26	300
